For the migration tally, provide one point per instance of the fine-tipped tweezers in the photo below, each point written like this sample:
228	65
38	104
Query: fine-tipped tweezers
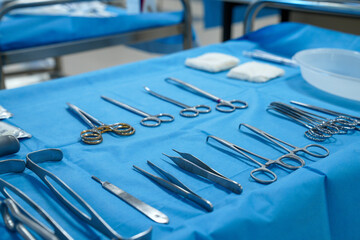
194	165
173	184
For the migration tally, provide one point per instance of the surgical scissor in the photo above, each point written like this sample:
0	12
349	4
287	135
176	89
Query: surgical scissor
222	106
187	110
294	150
173	184
263	168
148	120
94	135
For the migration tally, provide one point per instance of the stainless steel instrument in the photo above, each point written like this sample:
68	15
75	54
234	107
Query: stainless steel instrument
142	207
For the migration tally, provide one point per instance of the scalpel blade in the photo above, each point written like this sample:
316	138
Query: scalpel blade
142	207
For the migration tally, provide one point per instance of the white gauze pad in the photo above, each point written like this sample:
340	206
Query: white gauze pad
255	72
212	62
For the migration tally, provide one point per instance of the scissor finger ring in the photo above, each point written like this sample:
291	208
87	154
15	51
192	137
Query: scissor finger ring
165	117
150	121
225	107
189	112
91	136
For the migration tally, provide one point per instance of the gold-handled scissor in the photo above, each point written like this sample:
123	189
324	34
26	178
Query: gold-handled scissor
94	135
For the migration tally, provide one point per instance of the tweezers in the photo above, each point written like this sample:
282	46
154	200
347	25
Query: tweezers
194	165
173	184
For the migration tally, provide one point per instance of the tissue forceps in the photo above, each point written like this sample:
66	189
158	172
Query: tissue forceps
294	148
89	216
94	135
187	110
173	184
222	106
148	120
194	165
263	168
16	218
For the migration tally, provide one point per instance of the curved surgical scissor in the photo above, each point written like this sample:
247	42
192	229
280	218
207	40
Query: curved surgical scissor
187	110
93	135
222	106
263	168
148	120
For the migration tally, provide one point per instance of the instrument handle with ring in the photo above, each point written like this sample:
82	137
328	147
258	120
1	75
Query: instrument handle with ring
157	119
122	129
230	106
307	150
298	161
264	171
189	112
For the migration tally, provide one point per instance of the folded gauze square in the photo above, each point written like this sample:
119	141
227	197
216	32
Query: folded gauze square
212	62
255	72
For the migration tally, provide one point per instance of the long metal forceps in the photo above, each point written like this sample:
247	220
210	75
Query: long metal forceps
94	135
291	153
194	165
173	184
349	117
16	218
187	110
90	216
222	106
16	221
148	120
263	168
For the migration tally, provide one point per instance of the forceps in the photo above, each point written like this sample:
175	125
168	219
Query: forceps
94	135
173	184
222	106
16	221
187	110
89	216
321	128
263	168
331	112
148	120
194	165
294	150
16	218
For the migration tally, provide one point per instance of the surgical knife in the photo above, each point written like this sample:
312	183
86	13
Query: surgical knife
142	207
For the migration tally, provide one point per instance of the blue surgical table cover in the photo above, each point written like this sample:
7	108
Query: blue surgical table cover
23	31
318	201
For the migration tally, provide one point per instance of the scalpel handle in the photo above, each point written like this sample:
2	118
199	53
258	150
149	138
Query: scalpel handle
142	207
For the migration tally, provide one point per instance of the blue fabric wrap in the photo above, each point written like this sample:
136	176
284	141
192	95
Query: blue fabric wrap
213	10
23	31
318	201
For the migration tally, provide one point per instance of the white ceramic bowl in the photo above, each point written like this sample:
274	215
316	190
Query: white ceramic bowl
336	71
